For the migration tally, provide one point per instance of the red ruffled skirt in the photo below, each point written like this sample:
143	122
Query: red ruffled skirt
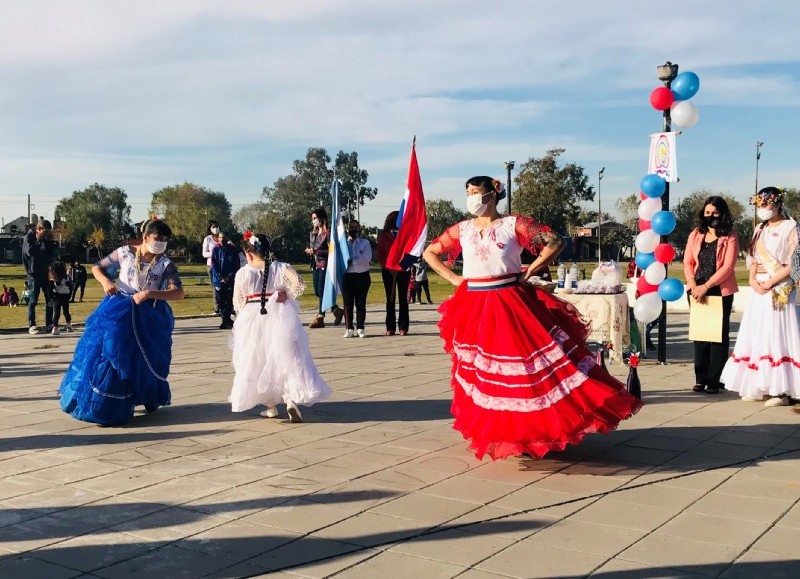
523	378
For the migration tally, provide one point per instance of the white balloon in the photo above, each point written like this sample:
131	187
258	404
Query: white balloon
647	241
684	114
649	207
655	273
647	307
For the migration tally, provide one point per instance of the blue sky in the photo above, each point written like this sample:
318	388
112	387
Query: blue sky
146	94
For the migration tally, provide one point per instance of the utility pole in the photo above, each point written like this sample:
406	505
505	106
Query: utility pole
599	218
759	144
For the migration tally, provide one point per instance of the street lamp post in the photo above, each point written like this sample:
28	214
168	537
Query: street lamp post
666	74
759	144
509	168
599	218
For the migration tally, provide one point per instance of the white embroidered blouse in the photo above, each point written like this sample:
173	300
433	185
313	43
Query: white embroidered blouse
121	264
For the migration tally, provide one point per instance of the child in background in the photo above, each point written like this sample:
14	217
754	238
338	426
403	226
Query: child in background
60	292
4	298
271	356
412	285
13	298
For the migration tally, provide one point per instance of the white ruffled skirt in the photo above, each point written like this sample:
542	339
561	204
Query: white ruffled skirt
272	359
766	357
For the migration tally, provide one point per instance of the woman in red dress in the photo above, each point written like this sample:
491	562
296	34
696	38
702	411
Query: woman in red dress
523	380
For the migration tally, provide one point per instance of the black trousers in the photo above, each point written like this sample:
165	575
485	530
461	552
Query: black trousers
710	357
75	286
423	285
395	283
224	299
354	294
61	302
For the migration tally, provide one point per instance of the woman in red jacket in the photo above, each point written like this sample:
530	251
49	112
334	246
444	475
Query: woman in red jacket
708	263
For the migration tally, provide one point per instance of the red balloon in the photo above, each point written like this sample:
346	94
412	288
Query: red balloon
645	288
644	225
664	253
662	98
642	196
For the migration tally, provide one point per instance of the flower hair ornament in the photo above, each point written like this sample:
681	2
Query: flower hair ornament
499	188
252	239
768	196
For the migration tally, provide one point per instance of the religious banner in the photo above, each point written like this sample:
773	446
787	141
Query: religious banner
663	156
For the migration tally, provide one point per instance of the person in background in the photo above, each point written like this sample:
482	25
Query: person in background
77	273
318	242
356	281
13	298
412	286
395	281
209	243
765	364
224	265
39	250
421	278
708	264
60	290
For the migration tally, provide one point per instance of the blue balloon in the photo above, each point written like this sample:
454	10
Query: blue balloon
644	259
663	223
685	86
671	289
653	186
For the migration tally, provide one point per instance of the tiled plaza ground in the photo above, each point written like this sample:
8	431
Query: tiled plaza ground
377	484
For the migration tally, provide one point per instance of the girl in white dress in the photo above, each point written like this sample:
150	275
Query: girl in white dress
765	363
271	355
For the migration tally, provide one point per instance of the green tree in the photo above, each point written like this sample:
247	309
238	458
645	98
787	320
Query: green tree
187	208
354	192
96	207
792	201
441	215
549	193
294	197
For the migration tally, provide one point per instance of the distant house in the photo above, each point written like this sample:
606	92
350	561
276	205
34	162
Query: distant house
11	235
586	240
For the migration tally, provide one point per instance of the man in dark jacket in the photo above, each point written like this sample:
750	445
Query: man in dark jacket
224	265
38	251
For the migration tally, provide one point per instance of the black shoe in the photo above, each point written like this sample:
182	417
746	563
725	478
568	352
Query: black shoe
699	387
226	325
712	390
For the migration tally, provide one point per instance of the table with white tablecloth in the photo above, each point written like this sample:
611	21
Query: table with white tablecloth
608	316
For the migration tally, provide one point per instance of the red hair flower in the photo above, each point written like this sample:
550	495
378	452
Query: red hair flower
247	235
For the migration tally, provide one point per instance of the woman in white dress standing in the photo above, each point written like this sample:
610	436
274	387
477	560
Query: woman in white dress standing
765	363
271	355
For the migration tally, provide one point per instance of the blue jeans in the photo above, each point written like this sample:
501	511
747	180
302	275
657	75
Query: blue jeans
34	286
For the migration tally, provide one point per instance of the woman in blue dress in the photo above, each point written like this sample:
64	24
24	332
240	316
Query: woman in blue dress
122	359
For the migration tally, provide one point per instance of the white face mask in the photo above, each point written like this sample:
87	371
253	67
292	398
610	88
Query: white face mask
157	247
765	214
475	206
315	222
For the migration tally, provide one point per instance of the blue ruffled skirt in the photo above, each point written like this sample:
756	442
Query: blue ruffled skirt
121	361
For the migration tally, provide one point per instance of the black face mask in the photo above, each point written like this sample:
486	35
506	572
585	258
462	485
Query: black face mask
353	233
711	221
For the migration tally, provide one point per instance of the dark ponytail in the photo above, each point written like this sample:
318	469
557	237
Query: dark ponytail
263	251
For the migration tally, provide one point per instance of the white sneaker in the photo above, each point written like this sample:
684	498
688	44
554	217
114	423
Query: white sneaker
777	401
69	328
55	331
33	330
293	411
270	412
752	398
361	333
349	334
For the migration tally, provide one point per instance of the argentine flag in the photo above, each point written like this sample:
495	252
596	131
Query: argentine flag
338	252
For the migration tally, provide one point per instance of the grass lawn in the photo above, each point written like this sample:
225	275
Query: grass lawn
198	292
198	299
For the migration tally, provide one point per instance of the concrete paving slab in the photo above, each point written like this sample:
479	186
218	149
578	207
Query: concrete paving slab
376	481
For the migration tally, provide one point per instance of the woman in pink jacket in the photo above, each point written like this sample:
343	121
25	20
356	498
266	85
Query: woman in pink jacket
708	263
